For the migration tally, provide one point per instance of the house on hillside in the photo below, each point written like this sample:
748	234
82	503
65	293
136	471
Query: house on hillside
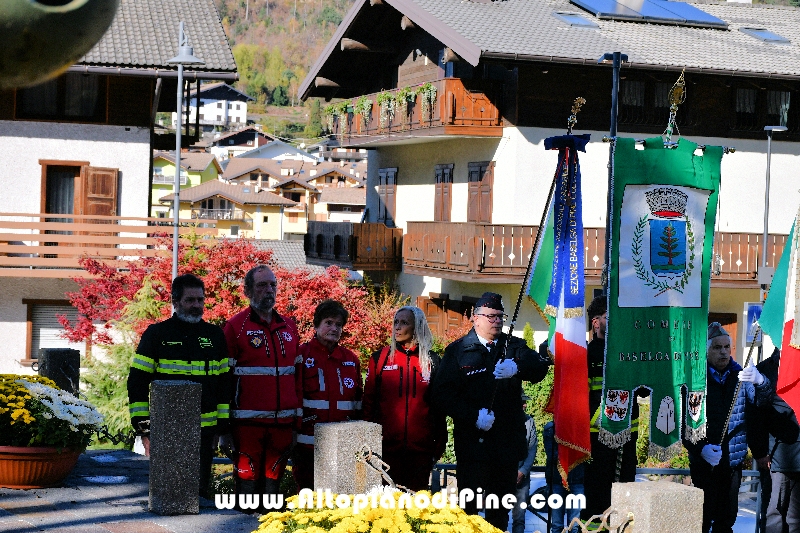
82	150
196	168
460	168
244	211
220	105
227	145
341	204
278	151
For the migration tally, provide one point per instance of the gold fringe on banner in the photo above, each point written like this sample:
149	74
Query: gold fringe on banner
540	311
614	440
665	454
549	310
694	435
573	312
565	475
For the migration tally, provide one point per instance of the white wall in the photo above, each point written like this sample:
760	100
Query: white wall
13	315
208	108
524	171
522	177
25	143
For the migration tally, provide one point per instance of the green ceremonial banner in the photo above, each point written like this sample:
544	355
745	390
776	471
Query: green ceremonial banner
664	209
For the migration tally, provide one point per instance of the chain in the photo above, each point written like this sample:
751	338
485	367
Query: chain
125	438
367	456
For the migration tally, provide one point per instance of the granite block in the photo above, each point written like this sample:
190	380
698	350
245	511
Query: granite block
659	506
175	447
336	448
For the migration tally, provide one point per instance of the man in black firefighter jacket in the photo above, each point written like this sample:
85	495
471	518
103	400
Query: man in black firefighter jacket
479	384
183	347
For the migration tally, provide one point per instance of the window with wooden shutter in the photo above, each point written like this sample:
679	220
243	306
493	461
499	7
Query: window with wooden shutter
480	177
387	195
443	193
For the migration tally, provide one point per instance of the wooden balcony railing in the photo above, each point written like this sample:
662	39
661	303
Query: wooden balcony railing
460	107
51	246
499	253
359	246
223	214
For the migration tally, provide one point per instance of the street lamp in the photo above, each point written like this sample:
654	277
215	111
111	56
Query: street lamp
185	57
765	274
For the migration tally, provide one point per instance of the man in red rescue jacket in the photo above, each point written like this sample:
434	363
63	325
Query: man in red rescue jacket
267	402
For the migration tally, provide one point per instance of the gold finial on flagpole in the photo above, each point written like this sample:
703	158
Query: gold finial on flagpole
677	96
573	118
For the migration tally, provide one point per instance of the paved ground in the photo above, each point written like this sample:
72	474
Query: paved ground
107	492
745	523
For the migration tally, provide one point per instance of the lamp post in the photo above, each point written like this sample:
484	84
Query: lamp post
615	59
185	57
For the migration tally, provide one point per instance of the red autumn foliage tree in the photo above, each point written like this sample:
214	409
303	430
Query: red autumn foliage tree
104	299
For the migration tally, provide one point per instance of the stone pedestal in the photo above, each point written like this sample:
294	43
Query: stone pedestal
62	365
175	447
335	449
659	506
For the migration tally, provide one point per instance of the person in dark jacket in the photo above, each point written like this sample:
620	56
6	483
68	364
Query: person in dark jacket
778	426
479	385
171	350
715	461
604	468
397	395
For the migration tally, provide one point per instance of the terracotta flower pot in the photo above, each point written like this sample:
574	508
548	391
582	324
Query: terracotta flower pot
35	467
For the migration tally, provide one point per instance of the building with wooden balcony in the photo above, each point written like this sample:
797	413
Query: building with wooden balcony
453	100
240	210
78	172
196	168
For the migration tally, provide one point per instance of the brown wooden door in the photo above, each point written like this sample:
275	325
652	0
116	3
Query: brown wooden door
442	205
387	194
443	315
481	178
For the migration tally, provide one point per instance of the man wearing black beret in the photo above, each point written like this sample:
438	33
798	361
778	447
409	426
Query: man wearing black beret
479	385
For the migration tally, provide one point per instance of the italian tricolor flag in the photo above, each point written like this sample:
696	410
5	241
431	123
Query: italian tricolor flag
780	319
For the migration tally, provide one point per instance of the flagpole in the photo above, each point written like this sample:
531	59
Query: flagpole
616	59
537	245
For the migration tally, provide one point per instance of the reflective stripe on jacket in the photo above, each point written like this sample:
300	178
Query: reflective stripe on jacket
178	350
332	387
264	357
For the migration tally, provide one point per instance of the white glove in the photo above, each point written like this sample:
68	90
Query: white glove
752	375
485	420
712	453
505	369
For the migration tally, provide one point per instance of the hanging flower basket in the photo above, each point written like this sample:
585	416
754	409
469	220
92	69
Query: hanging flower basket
28	467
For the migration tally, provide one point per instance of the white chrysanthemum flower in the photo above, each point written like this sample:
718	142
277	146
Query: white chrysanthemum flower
64	405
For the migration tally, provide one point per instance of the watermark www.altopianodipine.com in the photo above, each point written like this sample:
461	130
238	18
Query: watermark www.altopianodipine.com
309	499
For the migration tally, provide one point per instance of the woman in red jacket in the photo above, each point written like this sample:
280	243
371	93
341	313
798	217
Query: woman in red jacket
331	385
396	396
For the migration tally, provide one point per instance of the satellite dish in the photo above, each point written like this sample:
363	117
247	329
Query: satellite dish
42	38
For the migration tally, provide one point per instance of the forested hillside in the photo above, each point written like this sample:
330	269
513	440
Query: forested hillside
276	41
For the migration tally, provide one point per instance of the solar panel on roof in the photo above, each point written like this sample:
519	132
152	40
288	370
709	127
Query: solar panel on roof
692	15
655	11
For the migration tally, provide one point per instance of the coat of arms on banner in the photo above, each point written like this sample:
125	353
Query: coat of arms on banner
695	404
661	245
617	404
